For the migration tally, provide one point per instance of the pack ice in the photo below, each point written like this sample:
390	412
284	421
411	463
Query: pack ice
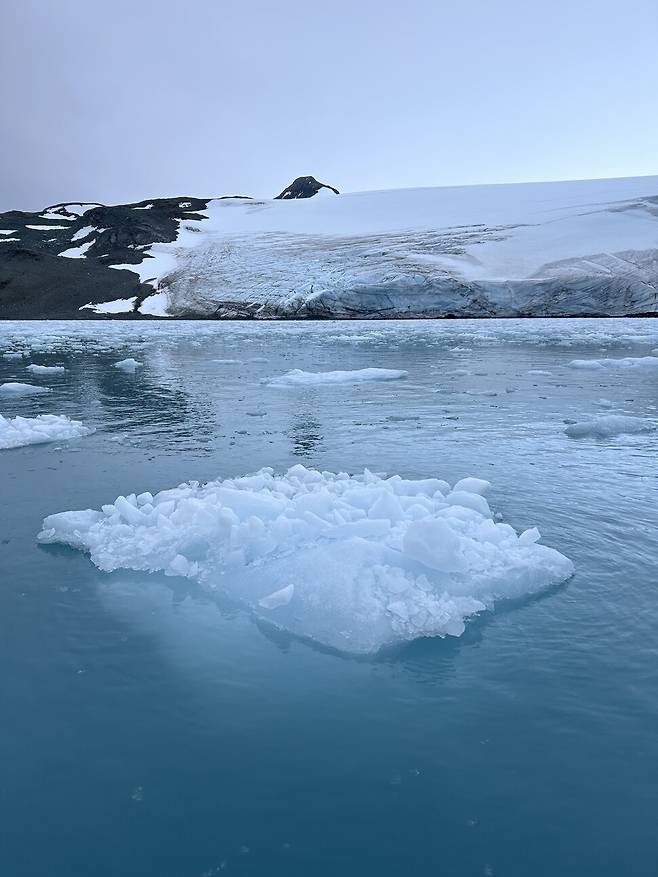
18	431
354	562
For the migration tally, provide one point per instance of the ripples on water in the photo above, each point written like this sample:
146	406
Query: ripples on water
152	729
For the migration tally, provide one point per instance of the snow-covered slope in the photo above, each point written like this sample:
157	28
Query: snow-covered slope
588	247
537	249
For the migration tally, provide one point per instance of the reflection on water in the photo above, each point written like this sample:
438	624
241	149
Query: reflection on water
304	434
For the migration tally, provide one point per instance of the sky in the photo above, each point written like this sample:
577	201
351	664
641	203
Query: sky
121	100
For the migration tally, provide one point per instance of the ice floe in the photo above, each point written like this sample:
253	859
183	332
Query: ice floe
45	369
354	562
612	363
16	432
15	388
297	377
609	425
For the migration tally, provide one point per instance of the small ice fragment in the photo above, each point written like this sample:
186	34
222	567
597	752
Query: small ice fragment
127	365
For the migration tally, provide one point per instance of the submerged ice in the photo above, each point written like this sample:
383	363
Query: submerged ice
354	562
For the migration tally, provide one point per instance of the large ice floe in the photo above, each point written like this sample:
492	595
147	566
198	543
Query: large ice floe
353	562
610	425
16	432
613	364
297	377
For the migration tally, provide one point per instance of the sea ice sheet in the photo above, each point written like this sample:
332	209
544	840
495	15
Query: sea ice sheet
354	562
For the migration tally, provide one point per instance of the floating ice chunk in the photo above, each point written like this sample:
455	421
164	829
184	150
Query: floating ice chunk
538	371
14	388
297	377
609	425
630	362
45	369
18	431
15	354
127	365
374	560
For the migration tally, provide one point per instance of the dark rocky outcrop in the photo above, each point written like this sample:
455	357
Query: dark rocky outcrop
37	282
304	187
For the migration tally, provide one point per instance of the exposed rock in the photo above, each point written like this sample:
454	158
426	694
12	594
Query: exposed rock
304	187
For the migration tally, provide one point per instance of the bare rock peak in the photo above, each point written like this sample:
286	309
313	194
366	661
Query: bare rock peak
304	187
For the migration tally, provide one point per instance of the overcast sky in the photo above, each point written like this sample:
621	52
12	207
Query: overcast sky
118	100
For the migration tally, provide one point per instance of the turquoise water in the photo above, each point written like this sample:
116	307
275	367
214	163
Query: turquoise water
151	728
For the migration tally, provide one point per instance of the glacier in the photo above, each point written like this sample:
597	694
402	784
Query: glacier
533	249
352	562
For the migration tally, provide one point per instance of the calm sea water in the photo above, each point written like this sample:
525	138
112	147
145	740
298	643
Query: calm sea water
149	729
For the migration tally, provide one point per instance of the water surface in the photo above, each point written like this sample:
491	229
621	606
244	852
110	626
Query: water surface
154	729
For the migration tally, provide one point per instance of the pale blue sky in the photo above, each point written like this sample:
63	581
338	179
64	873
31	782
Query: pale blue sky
121	100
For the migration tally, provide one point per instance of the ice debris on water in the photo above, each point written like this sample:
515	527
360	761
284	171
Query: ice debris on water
355	562
609	425
297	377
45	369
14	388
16	432
626	362
127	365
